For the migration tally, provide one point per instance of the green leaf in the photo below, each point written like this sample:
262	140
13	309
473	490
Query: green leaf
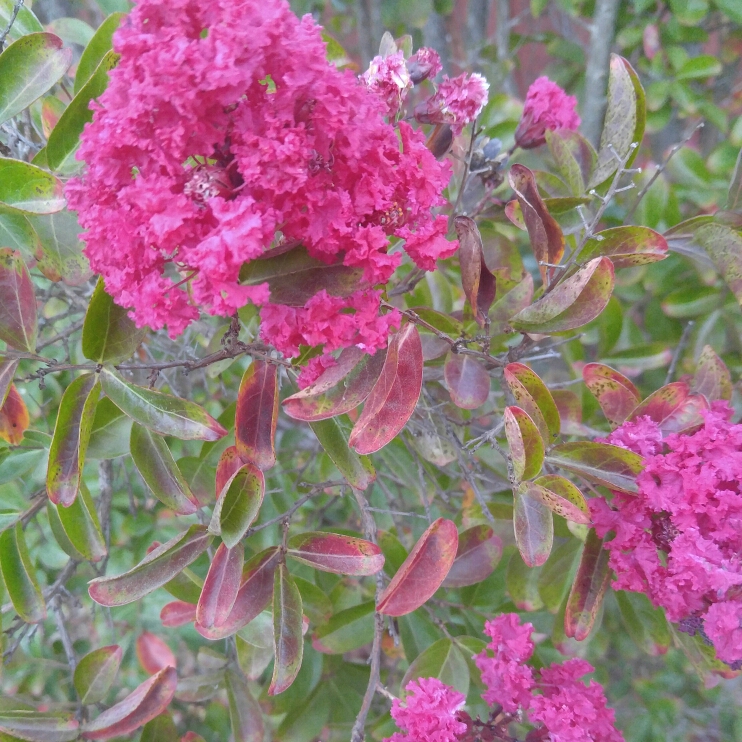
522	584
28	68
161	413
160	729
18	321
71	30
692	301
712	378
613	467
534	526
556	576
157	568
110	433
65	137
700	67
60	256
287	631
533	396
18	575
525	443
37	726
561	497
442	660
357	470
29	188
574	156
346	630
81	526
96	49
108	335
18	463
724	247
70	440
731	9
626	246
95	673
157	466
238	504
244	711
16	232
25	23
644	623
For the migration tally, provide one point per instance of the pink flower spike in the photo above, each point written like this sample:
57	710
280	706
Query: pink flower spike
423	65
457	102
389	78
547	107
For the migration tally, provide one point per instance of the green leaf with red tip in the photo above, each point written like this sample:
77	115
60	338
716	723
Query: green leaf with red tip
333	552
254	594
37	726
562	497
95	673
160	413
547	240
227	466
525	443
18	322
238	504
28	188
467	380
19	576
257	413
442	660
477	280
153	654
393	399
244	711
673	408
533	524
161	474
724	246
221	585
423	572
626	246
177	613
529	392
616	395
338	389
160	729
157	568
28	68
108	335
70	440
588	589
478	553
357	470
712	378
81	526
288	639
599	463
346	630
146	702
573	303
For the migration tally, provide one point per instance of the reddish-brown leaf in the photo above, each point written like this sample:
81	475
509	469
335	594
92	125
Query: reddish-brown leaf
423	572
221	585
712	379
17	302
477	555
477	280
333	552
150	699
525	442
529	392
616	395
257	413
14	419
673	408
467	380
229	462
177	614
288	635
588	588
533	524
547	240
394	396
339	389
253	596
153	654
570	412
626	246
561	497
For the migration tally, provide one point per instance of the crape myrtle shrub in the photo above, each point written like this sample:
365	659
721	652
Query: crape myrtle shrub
348	400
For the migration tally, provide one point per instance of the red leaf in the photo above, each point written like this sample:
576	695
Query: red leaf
534	526
477	555
467	380
229	463
547	240
570	412
476	279
332	552
673	408
150	699
221	586
288	636
17	302
423	572
616	395
339	389
525	442
177	614
253	596
153	654
529	392
14	419
712	379
394	396
588	588
257	412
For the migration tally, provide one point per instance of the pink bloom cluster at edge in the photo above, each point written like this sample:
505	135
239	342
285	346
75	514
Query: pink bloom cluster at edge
224	126
389	78
547	108
457	102
679	540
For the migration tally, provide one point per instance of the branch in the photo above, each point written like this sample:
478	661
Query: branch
682	344
16	9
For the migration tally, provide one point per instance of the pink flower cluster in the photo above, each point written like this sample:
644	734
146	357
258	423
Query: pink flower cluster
547	107
679	540
224	131
555	697
457	102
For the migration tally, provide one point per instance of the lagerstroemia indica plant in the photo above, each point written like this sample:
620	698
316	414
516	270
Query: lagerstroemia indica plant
313	394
